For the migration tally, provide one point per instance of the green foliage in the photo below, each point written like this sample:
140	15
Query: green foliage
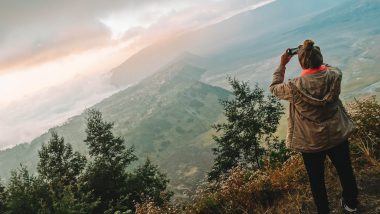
58	165
250	118
106	175
148	183
2	198
73	201
60	168
26	194
63	187
277	152
103	145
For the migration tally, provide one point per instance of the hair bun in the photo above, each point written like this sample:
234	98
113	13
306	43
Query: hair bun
308	44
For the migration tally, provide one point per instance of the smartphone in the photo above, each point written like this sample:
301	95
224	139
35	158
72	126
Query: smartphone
292	51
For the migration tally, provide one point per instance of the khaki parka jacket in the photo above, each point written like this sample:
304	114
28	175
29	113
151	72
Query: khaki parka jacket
317	119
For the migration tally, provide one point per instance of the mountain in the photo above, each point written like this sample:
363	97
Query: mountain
167	113
216	41
249	44
167	117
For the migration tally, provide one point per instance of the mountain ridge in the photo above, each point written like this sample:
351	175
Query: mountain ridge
244	29
164	117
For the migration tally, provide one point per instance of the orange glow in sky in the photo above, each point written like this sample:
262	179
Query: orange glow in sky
54	46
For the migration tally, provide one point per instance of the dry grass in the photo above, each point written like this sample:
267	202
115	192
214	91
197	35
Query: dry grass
282	190
365	112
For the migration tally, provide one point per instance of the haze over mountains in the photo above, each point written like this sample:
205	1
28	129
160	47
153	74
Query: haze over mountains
250	43
166	117
168	111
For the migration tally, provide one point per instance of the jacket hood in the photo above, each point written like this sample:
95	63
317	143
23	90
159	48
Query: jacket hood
331	95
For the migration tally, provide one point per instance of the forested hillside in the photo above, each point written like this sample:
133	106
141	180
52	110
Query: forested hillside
167	117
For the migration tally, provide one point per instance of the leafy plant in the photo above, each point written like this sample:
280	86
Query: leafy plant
26	194
148	183
277	152
251	116
58	165
106	175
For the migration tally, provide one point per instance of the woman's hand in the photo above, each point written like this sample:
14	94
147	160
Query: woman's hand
285	58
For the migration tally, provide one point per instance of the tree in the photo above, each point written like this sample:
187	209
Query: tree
2	198
251	117
74	201
148	183
106	175
26	194
60	168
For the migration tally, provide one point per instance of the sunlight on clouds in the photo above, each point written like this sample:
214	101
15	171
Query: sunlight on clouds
119	23
193	14
118	26
20	82
36	96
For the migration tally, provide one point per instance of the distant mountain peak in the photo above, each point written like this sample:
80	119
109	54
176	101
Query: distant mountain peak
179	70
188	56
191	59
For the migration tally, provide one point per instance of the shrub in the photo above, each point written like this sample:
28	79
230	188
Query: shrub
365	113
277	152
250	118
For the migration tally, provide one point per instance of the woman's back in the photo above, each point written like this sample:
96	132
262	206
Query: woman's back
317	119
318	124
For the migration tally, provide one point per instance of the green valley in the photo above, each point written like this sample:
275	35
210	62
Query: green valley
166	117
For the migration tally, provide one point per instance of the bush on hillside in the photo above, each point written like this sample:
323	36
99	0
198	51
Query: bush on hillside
277	152
365	113
251	119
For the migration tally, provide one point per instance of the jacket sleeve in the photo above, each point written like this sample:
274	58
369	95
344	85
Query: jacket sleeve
278	88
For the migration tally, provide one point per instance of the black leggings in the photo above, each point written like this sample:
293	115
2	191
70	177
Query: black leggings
314	164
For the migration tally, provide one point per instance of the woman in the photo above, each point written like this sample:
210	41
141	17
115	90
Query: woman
318	124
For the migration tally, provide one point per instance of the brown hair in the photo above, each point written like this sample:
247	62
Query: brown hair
310	56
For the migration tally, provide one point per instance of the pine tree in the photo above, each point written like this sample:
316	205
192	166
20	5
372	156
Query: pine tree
251	117
106	175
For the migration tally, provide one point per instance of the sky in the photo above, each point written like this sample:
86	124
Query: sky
56	56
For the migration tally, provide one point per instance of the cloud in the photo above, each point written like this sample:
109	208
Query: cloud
35	114
32	30
35	100
54	54
161	16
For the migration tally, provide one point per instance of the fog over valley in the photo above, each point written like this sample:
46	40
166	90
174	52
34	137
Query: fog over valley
56	57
